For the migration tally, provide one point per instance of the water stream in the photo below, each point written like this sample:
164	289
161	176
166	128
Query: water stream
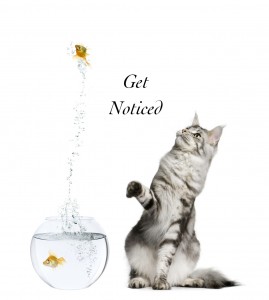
69	211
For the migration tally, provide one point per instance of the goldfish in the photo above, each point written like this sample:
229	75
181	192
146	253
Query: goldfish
81	52
52	261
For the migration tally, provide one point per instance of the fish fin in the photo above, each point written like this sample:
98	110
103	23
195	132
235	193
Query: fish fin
61	260
52	253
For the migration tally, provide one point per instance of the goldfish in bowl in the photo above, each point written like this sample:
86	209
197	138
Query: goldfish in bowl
69	260
52	261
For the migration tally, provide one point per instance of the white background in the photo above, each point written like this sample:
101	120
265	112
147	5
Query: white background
206	56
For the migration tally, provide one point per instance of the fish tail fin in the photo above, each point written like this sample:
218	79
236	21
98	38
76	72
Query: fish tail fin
61	260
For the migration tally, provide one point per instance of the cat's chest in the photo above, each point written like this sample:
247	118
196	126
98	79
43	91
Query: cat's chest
190	170
172	210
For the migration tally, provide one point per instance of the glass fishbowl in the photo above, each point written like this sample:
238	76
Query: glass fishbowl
69	260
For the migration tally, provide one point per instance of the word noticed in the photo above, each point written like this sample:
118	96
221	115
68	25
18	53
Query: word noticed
121	108
135	110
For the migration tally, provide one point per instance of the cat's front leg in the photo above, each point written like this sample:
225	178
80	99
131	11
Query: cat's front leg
144	195
166	252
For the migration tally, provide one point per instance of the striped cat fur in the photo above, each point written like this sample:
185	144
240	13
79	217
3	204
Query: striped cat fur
162	248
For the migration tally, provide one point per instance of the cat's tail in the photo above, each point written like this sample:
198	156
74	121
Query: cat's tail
209	278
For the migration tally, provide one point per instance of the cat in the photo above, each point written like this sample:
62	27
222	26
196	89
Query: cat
162	248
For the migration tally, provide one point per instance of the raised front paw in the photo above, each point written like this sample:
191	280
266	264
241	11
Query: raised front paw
161	284
138	283
134	189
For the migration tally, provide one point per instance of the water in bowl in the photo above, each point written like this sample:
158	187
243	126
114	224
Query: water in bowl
85	256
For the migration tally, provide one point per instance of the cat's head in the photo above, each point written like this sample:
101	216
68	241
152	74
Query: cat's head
196	139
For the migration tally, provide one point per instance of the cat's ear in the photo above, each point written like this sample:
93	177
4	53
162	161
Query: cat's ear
195	121
214	135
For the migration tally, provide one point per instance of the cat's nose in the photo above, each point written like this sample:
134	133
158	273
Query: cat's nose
184	130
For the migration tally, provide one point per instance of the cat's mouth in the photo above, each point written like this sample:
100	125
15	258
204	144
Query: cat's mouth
185	138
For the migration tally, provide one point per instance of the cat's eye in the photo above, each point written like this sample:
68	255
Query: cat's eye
197	135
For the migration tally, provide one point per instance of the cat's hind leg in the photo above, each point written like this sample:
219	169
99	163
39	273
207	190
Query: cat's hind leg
193	282
208	278
137	281
141	259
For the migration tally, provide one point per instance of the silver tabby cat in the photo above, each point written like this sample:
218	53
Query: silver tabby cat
162	248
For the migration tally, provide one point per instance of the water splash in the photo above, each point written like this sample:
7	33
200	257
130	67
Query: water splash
69	211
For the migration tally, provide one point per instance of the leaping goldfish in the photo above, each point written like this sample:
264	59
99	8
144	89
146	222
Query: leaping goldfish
81	53
52	261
